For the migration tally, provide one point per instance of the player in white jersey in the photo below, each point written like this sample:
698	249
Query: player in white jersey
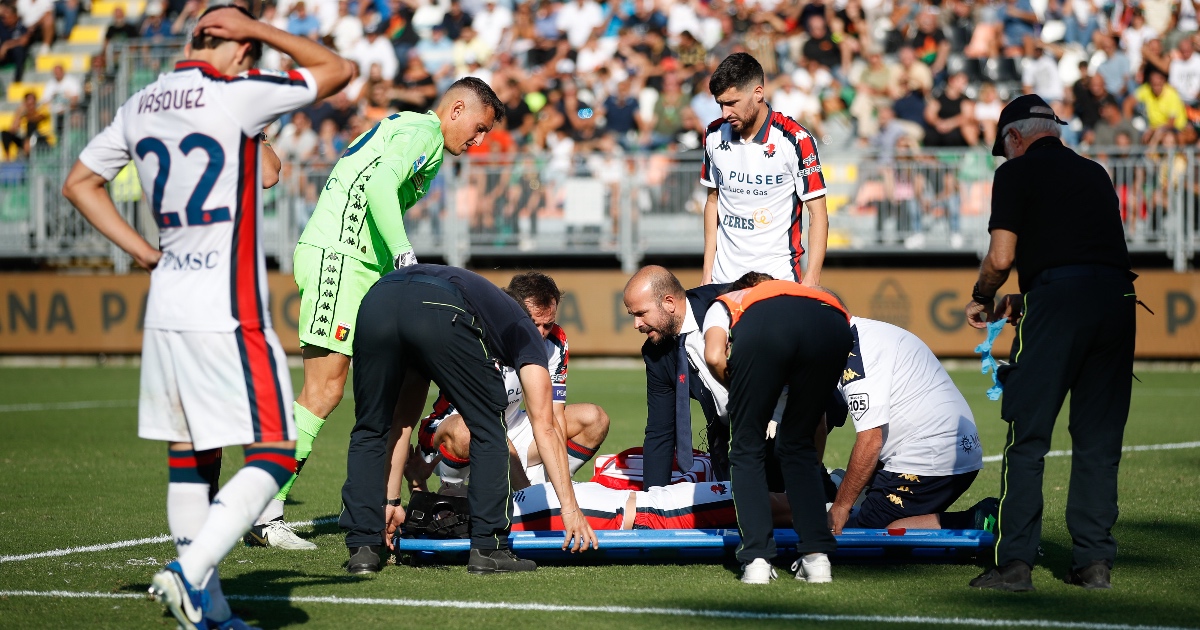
761	168
213	371
443	437
916	447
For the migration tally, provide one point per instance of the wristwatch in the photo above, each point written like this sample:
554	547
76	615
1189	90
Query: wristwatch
395	502
978	297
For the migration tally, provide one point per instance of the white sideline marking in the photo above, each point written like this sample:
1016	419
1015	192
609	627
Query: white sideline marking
630	610
1124	449
130	543
60	406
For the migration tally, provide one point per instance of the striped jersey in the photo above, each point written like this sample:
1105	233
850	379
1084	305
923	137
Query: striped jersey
761	186
408	143
677	506
556	350
193	136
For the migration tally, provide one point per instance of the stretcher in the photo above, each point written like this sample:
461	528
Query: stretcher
913	545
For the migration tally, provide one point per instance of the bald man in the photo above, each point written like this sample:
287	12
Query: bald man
670	318
355	236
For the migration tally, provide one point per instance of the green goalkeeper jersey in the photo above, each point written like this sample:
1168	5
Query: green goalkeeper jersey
381	175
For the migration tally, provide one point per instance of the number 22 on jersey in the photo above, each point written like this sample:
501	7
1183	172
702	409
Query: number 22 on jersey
196	213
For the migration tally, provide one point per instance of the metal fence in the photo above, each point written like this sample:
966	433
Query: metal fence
609	205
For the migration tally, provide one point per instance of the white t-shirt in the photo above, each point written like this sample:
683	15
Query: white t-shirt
380	52
193	136
578	22
1184	76
491	24
892	380
1042	76
761	186
31	11
59	93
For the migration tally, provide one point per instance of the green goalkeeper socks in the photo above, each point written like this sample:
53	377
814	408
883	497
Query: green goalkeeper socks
308	426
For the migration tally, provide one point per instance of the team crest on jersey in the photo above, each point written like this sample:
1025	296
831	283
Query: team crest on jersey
342	332
769	151
763	217
718	488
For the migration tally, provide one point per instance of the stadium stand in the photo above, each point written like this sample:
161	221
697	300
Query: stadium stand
616	92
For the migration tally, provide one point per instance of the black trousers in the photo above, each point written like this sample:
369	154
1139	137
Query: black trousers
1077	335
405	323
801	343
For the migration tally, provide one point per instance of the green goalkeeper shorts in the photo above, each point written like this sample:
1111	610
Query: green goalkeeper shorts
332	287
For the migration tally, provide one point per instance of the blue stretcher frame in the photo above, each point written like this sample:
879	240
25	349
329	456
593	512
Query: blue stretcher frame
911	545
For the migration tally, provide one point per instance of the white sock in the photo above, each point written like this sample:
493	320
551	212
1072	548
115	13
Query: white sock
455	476
229	517
578	455
187	510
274	510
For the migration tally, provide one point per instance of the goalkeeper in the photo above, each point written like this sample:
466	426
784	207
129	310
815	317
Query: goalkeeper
356	235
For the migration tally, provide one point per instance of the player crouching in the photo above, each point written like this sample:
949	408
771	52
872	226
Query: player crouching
444	440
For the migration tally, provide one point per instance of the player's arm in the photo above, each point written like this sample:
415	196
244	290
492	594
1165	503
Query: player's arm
552	446
716	352
383	191
710	235
270	164
408	411
86	190
818	239
330	71
864	457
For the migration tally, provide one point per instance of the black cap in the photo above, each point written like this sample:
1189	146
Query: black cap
1023	107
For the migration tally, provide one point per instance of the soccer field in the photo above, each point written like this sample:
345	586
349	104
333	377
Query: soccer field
75	483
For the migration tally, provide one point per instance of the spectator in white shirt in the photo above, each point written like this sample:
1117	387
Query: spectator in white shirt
491	23
1185	72
62	95
347	30
375	49
578	19
38	15
1040	76
297	142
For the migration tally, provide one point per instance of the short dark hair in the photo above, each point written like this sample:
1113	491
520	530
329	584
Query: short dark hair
749	279
535	287
204	41
739	70
483	92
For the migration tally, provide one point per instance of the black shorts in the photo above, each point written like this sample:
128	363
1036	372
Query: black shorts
893	496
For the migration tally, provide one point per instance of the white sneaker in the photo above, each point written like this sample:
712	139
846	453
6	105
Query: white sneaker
758	572
814	568
280	535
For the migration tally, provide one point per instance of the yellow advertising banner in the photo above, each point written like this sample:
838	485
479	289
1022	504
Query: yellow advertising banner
66	314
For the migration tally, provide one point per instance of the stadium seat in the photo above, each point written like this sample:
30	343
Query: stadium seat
87	34
974	70
17	91
104	8
71	62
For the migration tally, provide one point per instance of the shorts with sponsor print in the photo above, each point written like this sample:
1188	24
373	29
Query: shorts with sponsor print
214	389
893	496
332	287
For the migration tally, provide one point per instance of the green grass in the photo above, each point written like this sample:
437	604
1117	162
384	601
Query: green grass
81	477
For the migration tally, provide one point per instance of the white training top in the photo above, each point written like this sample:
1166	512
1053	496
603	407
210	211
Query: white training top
892	380
193	135
761	186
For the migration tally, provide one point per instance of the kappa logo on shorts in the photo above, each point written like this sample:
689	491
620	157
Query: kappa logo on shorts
343	331
895	499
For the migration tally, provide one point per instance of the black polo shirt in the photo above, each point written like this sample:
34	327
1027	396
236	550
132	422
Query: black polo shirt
1063	209
511	336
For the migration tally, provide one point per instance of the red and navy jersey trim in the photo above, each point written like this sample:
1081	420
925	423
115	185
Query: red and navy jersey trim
808	163
551	520
712	515
291	77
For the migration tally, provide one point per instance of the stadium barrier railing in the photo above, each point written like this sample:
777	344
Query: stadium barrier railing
620	206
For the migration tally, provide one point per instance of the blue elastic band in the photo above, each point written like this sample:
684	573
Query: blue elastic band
989	362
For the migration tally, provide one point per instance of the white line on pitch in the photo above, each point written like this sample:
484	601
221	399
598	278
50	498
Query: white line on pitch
1124	449
60	406
630	610
129	543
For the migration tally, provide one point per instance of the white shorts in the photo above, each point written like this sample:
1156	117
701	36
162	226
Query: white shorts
215	389
706	505
537	507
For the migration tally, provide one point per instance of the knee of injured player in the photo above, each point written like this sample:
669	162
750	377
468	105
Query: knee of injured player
454	436
588	424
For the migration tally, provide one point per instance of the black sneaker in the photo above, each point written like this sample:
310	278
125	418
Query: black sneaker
1014	577
483	562
1095	576
365	560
